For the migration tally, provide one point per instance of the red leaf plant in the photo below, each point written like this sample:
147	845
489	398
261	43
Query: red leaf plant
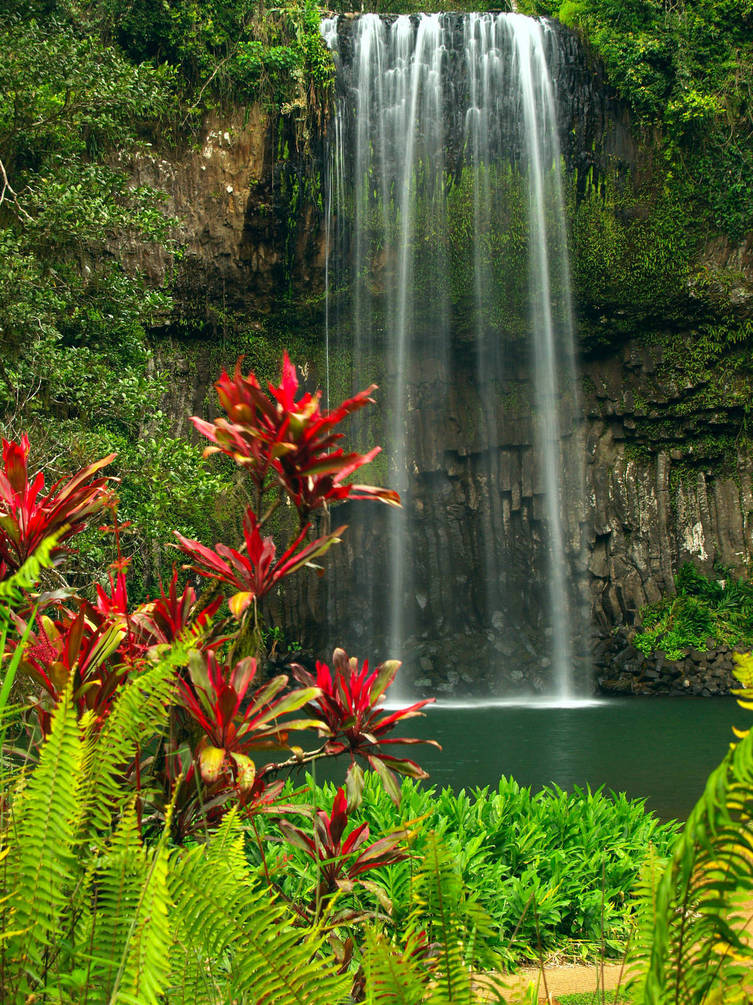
290	438
214	697
28	515
172	614
162	621
255	573
83	645
349	704
342	862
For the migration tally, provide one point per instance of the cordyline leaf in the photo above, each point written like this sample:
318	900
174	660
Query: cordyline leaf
211	760
388	496
385	676
388	779
295	700
246	770
239	603
28	517
354	782
297	837
290	437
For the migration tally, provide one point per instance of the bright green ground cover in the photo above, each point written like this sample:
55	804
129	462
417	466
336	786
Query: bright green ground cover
704	613
575	856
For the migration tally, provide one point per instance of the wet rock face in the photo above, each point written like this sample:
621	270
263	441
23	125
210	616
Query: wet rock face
660	490
669	481
657	494
623	669
241	251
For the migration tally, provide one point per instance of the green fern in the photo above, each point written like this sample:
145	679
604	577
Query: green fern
234	942
138	717
145	967
452	928
40	870
393	977
692	946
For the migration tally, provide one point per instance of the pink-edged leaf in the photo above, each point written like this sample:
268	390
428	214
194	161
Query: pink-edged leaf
354	783
355	839
388	496
386	674
339	819
296	837
388	780
403	766
403	713
243	673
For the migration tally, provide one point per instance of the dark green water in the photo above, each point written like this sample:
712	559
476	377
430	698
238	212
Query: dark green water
654	748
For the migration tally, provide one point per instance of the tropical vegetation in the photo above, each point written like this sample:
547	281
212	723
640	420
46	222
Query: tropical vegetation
152	850
703	614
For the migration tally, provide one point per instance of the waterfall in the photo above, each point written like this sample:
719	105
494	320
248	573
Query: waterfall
446	253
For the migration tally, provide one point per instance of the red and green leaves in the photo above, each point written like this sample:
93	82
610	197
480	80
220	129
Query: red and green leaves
290	440
350	705
342	860
173	615
231	726
28	515
81	645
254	574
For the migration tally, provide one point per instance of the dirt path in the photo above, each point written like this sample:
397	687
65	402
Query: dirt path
564	979
571	978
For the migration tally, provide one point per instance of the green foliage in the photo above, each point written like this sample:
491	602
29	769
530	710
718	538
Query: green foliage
446	923
234	49
93	913
632	255
685	67
692	943
705	612
549	865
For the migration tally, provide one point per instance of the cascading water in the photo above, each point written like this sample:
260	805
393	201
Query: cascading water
447	270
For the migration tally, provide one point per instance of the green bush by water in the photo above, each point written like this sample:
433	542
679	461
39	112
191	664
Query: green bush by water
705	612
562	863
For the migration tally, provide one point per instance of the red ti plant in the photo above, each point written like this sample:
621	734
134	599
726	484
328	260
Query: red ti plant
254	574
342	862
28	515
292	439
231	727
172	615
81	645
350	706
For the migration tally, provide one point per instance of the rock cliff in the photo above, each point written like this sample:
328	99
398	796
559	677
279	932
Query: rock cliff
664	401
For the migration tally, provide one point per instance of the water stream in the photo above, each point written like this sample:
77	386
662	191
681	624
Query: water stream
444	186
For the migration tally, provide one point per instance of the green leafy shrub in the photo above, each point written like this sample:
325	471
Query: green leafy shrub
704	612
550	865
685	67
692	943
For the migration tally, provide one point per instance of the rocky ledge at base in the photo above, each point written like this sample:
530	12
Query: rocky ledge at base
621	668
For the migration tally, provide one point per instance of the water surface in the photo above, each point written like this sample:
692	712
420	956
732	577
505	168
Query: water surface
653	748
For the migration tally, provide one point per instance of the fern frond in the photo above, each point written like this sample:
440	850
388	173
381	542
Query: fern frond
451	919
41	862
238	942
27	576
698	946
392	977
146	961
139	714
113	889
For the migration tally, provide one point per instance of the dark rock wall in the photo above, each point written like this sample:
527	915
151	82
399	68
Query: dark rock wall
669	474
